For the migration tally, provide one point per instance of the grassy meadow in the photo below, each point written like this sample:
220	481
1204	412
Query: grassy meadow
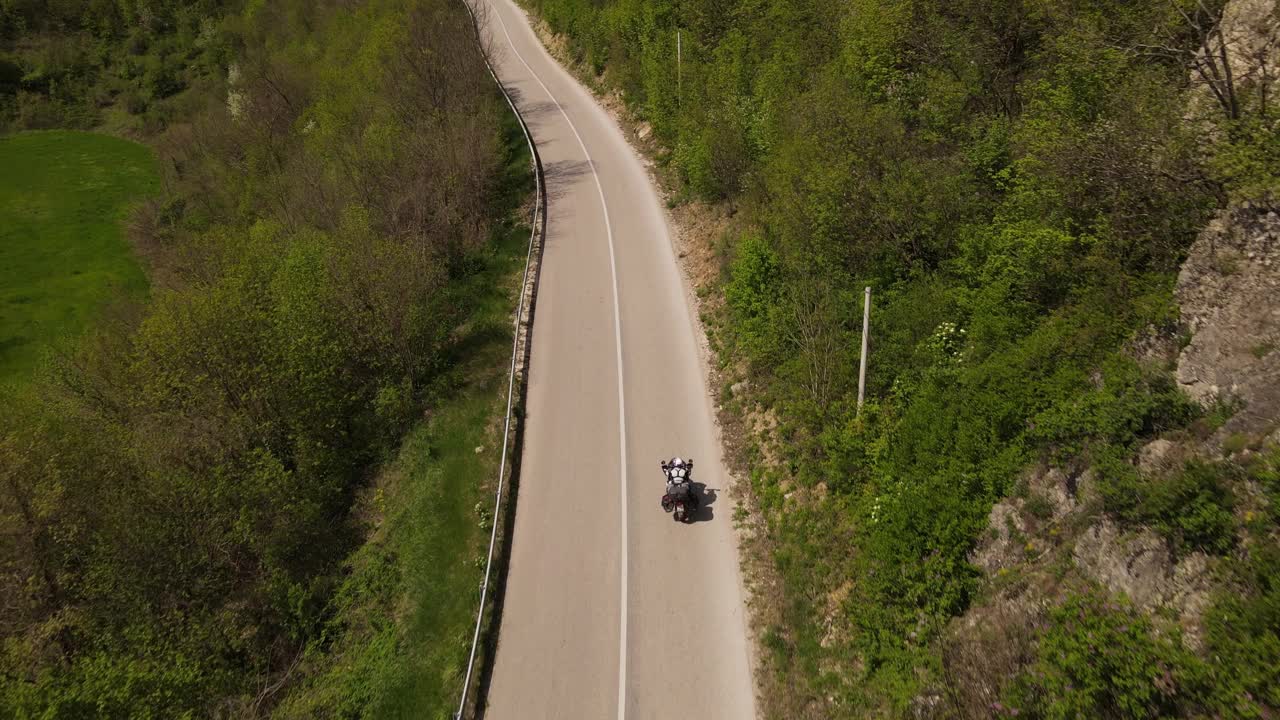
63	196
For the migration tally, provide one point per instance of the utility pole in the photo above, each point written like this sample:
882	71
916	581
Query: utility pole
679	72
866	330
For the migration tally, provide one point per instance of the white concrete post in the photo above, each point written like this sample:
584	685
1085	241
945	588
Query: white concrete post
866	330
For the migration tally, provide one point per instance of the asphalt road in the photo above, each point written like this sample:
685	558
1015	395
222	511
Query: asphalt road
612	610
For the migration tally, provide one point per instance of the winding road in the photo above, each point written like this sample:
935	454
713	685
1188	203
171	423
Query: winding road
611	610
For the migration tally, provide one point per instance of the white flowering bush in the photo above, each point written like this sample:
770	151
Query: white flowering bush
947	343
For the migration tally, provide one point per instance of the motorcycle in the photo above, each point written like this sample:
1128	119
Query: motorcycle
681	503
680	499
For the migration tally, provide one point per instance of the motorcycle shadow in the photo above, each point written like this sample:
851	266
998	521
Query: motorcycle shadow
706	497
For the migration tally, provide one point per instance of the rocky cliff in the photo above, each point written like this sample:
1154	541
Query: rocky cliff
1229	295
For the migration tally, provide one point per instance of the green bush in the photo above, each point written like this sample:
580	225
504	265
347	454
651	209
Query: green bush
1102	659
1192	508
1265	470
1249	159
1243	631
10	75
1132	403
1039	506
754	294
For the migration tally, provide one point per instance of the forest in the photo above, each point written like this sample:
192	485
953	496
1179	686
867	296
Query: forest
1019	182
186	490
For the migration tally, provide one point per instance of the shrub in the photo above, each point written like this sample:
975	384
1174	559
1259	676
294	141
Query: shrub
1191	508
1132	402
1265	470
1243	631
1248	161
1039	506
39	112
754	295
10	75
1101	659
134	102
695	158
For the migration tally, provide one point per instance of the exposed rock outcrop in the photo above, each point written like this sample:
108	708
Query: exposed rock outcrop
1161	455
1229	292
1051	496
1003	547
1248	27
1140	566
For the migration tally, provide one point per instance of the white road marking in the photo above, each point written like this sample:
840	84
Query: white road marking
622	413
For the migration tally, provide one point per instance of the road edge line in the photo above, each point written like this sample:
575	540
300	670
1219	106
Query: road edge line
539	212
622	413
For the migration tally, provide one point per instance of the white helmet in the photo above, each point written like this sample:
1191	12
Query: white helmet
678	462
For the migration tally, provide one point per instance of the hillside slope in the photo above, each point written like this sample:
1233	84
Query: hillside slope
1020	184
256	491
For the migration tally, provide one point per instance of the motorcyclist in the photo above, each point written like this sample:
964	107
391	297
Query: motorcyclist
677	471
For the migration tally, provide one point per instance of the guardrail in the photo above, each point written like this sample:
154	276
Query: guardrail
519	359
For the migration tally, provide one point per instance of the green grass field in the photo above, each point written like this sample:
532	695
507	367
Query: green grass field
63	196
